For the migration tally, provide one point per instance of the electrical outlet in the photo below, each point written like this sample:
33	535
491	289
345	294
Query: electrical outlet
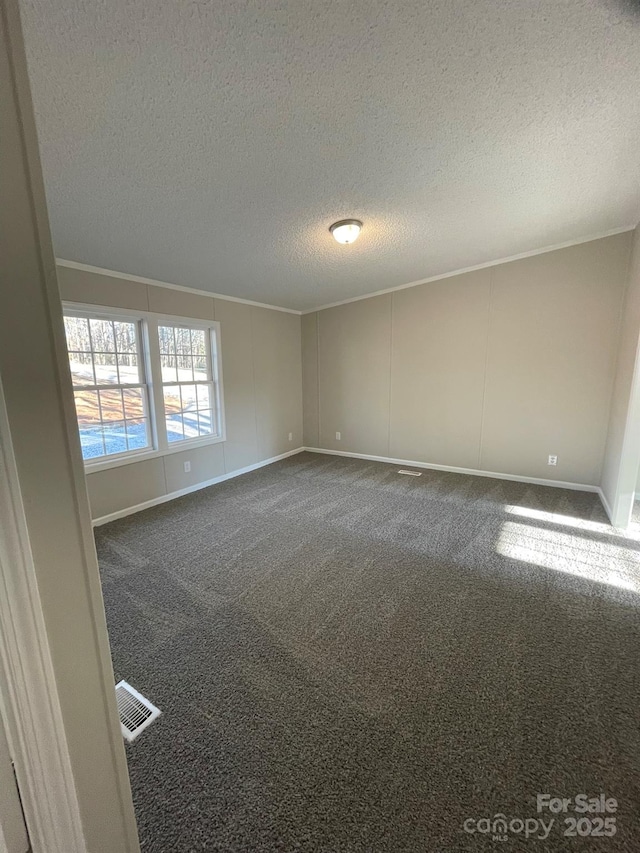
290	436
338	436
187	467
553	460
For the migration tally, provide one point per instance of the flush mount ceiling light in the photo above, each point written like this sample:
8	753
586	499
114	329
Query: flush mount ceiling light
346	231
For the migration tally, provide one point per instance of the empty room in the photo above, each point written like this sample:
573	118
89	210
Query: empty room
320	426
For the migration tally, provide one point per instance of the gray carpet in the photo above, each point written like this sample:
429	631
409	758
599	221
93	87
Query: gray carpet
349	660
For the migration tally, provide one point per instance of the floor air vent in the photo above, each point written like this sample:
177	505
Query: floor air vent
136	712
410	473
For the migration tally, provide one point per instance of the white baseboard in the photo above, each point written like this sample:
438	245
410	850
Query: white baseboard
538	481
605	504
121	513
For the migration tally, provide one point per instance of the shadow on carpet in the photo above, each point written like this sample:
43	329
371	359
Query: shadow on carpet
348	660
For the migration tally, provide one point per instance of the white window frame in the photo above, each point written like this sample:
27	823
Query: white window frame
149	322
214	378
144	379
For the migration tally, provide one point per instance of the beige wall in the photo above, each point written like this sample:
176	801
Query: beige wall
277	367
353	376
310	410
439	336
491	370
262	377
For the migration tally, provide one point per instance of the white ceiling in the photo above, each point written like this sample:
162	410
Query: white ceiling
211	143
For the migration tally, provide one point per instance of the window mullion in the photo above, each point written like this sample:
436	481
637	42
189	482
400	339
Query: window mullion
152	387
155	384
216	387
91	351
115	350
181	408
105	433
104	444
124	386
124	415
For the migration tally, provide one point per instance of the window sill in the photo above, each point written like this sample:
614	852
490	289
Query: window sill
144	455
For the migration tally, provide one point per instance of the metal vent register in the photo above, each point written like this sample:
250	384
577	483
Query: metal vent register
135	711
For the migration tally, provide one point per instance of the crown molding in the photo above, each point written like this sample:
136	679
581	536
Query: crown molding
483	266
76	265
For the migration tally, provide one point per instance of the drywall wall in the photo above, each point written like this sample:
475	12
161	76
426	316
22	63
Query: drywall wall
241	446
439	339
622	454
491	370
72	660
262	378
277	366
353	376
310	409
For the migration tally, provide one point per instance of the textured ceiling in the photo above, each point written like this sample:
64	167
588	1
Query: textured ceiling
210	143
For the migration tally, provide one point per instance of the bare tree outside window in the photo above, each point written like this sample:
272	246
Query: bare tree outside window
109	385
189	389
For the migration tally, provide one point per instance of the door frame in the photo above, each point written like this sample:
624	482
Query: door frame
627	474
64	731
622	452
13	829
31	708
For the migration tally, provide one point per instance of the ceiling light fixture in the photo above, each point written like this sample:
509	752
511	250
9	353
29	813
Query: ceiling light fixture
346	231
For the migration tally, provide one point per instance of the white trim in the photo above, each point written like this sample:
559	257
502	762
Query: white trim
13	829
75	265
624	495
118	461
483	266
605	504
121	513
517	478
36	728
538	481
148	322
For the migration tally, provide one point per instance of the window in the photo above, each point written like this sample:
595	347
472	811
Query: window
110	390
189	392
135	397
